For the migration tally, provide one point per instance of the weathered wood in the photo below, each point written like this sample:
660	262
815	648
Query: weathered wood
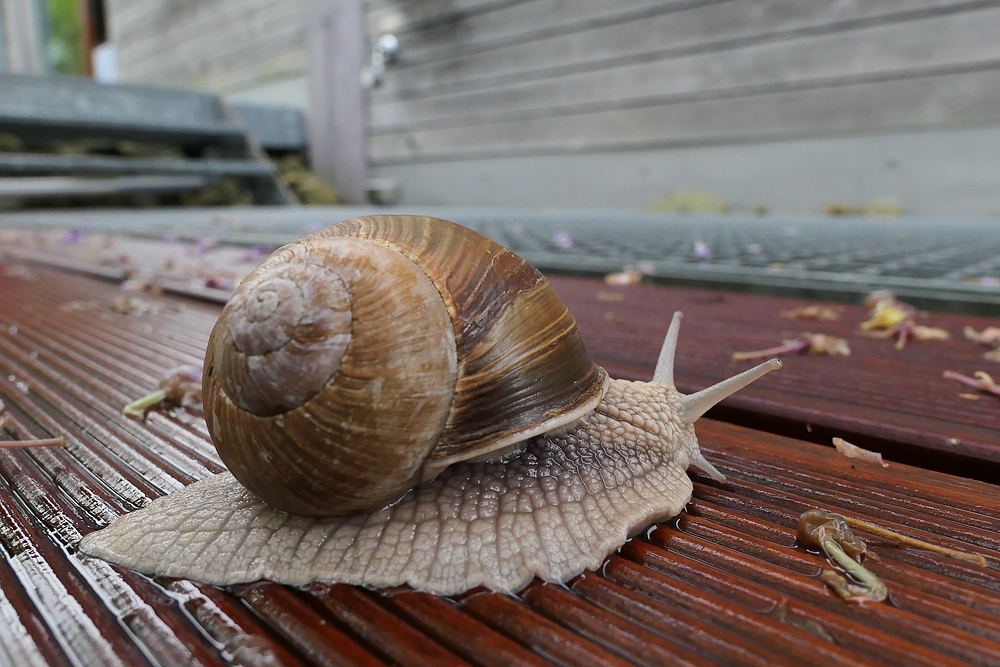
422	15
724	583
22	37
221	45
937	42
954	97
338	106
598	34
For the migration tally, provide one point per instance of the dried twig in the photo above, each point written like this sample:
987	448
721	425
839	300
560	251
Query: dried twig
913	542
19	444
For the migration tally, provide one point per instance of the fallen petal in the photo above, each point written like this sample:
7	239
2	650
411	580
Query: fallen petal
855	452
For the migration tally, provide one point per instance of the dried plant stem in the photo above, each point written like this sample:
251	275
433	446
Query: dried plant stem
796	346
19	444
913	542
47	442
138	408
982	381
876	592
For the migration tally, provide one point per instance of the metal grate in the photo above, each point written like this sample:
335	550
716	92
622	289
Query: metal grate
948	263
722	584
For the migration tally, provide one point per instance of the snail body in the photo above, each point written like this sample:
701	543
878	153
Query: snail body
477	444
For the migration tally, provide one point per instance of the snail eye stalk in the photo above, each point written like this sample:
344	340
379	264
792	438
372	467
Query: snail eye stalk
695	405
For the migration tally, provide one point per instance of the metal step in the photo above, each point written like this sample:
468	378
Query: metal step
39	110
54	186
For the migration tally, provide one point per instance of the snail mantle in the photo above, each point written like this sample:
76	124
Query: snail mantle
400	400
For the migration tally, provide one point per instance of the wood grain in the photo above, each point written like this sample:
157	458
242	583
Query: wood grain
705	588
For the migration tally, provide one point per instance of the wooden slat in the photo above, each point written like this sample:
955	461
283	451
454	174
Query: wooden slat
539	39
338	106
935	43
221	45
702	589
952	98
421	16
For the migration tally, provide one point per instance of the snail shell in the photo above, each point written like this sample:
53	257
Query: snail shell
532	463
372	354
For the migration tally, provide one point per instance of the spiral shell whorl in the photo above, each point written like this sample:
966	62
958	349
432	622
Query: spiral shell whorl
291	321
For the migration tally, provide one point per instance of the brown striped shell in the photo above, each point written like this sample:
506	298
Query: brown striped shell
372	354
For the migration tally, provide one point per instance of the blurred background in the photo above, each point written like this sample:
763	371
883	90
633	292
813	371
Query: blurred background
751	106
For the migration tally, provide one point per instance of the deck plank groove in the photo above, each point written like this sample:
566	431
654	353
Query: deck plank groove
701	589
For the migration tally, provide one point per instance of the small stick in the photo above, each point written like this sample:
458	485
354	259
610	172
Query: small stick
138	408
19	444
913	542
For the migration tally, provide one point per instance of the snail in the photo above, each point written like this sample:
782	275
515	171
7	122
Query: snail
400	400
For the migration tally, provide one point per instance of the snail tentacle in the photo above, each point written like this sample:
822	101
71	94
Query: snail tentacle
664	371
695	405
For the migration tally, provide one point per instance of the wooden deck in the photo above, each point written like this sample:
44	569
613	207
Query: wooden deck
722	584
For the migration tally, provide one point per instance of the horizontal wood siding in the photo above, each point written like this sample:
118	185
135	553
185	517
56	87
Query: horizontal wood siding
508	78
218	45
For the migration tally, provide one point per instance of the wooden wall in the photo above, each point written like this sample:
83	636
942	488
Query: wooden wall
223	46
511	78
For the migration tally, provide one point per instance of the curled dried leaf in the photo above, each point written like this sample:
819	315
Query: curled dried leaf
922	333
886	318
852	451
807	342
816	526
893	318
129	305
821	313
885	311
988	336
824	344
630	276
829	533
